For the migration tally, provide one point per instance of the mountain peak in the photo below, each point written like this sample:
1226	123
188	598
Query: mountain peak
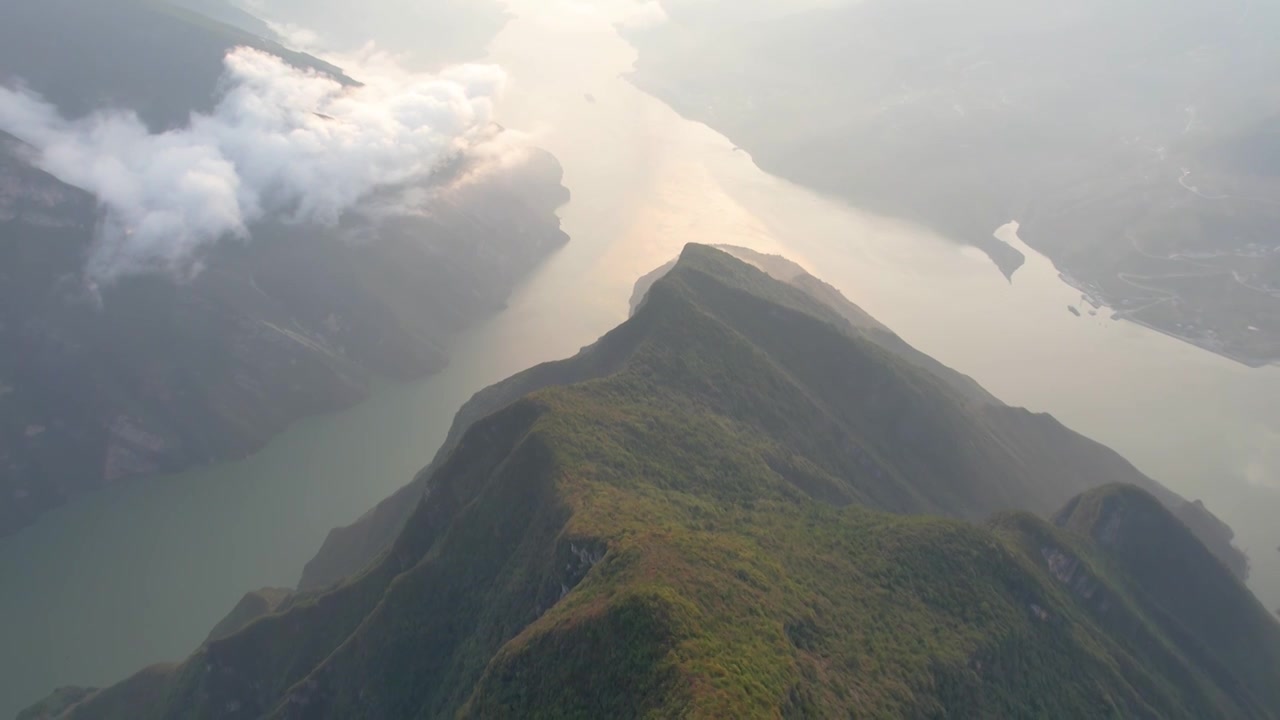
720	509
1191	593
1114	515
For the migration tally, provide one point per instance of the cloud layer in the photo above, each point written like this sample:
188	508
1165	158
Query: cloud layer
281	142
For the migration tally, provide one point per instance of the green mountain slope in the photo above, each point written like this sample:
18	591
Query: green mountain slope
1228	634
680	538
1020	459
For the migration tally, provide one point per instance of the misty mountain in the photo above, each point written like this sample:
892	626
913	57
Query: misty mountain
1011	457
230	13
1134	141
153	371
159	59
426	33
698	528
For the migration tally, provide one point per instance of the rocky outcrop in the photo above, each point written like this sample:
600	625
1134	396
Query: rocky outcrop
1216	535
1069	570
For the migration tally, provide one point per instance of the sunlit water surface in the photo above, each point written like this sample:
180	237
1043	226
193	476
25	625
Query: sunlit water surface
140	572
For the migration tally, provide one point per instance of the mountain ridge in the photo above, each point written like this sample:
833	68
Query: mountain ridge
348	549
1013	111
665	541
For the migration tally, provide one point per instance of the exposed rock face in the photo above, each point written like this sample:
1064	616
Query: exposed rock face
1191	593
1071	572
32	196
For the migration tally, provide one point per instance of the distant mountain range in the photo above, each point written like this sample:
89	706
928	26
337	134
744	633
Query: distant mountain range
158	374
1135	141
729	507
156	58
424	33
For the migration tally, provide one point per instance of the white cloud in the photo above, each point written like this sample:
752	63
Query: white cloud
281	142
296	37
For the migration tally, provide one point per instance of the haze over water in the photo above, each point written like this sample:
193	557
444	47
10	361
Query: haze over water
140	572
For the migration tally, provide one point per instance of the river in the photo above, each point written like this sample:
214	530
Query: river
140	572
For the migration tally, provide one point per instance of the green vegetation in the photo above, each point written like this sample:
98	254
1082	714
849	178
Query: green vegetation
56	704
251	607
689	536
149	56
1015	458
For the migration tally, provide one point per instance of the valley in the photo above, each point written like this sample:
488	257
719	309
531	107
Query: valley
644	182
692	522
1123	157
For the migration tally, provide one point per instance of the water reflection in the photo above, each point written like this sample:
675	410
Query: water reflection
646	182
140	572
